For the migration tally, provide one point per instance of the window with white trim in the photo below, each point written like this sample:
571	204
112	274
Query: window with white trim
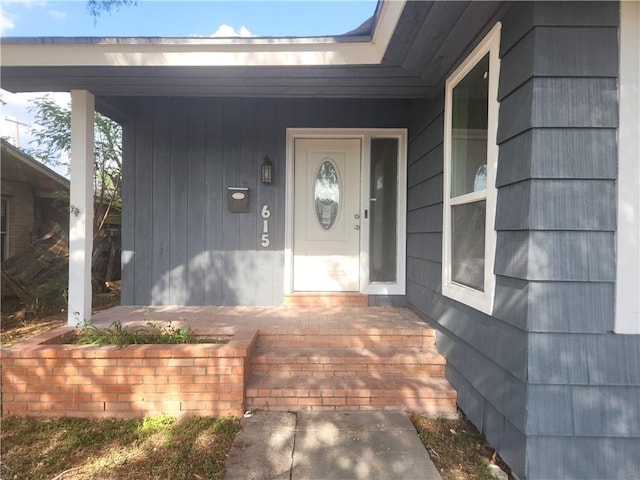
470	162
628	232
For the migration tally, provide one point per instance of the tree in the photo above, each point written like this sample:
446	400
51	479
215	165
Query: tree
98	7
52	146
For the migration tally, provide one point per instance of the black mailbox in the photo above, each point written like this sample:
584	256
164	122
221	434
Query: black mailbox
238	198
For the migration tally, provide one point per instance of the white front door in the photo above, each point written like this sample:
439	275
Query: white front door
326	233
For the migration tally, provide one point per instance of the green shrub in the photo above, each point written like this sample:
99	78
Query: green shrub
121	336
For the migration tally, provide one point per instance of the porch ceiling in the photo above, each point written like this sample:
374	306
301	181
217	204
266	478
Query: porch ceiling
428	39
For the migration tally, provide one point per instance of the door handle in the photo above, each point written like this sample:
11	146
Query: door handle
356	227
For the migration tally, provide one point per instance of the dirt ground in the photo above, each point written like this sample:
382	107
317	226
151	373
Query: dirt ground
23	323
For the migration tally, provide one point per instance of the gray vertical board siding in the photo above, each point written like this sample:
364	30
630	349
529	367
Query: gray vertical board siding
128	213
161	205
249	243
215	200
233	261
265	195
196	211
143	217
194	149
178	235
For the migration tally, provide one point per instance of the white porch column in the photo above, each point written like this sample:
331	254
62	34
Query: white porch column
81	206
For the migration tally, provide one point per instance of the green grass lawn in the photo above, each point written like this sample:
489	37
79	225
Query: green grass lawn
157	447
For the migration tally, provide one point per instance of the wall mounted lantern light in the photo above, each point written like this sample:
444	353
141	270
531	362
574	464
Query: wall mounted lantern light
266	170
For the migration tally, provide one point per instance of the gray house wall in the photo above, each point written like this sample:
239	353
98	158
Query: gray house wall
181	245
544	378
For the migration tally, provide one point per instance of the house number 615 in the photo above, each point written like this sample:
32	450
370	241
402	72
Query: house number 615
266	213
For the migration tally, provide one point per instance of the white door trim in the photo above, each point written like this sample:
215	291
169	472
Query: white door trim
365	134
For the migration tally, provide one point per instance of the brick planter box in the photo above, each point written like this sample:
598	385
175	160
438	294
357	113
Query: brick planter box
44	376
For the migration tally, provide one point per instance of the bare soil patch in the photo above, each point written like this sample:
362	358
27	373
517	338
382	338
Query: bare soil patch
457	449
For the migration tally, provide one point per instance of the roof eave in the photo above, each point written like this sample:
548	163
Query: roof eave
186	52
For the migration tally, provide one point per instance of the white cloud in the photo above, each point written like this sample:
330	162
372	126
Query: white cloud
7	20
58	14
227	31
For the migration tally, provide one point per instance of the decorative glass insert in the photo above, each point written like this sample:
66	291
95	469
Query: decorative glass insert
327	194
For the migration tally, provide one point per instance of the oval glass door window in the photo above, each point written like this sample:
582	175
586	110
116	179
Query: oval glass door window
327	194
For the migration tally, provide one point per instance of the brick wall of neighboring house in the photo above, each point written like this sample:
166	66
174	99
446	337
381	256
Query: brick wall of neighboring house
19	216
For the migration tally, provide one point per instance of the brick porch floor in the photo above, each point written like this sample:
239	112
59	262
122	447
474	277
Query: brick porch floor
323	358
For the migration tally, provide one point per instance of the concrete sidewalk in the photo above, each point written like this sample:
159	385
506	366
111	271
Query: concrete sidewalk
329	446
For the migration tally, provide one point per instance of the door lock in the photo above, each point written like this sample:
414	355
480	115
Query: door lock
357	216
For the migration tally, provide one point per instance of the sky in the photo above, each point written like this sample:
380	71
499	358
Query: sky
185	18
165	18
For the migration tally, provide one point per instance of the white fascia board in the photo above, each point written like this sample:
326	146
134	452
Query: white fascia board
131	52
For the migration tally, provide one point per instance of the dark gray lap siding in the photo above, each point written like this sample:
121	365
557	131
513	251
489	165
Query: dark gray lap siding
552	388
486	356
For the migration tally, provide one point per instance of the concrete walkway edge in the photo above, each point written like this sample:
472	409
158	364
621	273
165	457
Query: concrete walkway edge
329	446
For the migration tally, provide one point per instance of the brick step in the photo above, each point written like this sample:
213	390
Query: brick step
302	393
372	361
326	299
347	337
